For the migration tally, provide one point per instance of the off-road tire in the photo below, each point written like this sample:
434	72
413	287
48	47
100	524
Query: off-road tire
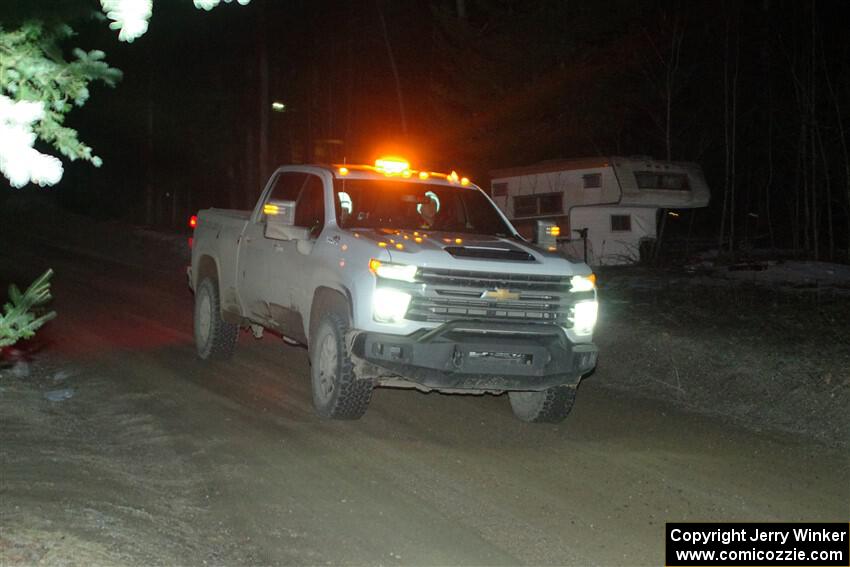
549	406
337	393
215	338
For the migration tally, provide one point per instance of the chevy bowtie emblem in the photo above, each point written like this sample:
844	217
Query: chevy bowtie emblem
500	295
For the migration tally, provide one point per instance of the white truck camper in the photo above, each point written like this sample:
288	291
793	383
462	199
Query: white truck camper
605	206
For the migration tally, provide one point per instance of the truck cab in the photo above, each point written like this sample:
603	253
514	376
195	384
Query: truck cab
396	277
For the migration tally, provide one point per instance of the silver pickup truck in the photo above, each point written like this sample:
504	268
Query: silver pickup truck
396	277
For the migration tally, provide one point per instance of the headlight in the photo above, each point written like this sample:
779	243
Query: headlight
392	271
583	283
389	305
584	317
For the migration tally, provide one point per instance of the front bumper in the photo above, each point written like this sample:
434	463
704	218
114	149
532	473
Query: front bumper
476	355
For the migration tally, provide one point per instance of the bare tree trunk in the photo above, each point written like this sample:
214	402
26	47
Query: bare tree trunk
768	114
799	180
843	139
725	208
768	189
734	140
149	160
349	89
800	211
678	36
672	67
812	137
394	68
690	232
461	9
804	152
263	99
827	186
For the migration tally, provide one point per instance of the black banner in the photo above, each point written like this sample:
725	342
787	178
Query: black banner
758	544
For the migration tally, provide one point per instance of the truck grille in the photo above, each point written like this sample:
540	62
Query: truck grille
453	294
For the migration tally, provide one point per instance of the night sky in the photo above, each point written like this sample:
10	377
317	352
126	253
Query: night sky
759	94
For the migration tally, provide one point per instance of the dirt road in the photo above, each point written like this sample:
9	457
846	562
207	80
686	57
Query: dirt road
158	458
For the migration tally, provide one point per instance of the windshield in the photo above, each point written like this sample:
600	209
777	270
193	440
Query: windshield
373	203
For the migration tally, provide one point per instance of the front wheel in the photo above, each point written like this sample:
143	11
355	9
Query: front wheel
552	405
337	393
214	337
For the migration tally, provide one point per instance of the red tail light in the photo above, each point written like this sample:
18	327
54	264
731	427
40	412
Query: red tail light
193	221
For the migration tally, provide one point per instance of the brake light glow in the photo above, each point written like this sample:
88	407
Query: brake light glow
193	221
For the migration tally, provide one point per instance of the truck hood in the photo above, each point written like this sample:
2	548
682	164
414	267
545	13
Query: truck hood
474	252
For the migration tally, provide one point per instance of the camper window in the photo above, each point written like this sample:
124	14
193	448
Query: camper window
533	205
621	223
499	189
525	206
551	204
665	181
592	180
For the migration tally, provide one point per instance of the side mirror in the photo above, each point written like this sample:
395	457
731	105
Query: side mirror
280	220
546	235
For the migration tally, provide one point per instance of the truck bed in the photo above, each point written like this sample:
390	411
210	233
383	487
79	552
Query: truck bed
236	214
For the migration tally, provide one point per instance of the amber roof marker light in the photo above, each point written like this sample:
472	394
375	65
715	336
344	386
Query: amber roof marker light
392	165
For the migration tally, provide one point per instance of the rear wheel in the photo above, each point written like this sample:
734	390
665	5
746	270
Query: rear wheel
337	393
214	337
548	406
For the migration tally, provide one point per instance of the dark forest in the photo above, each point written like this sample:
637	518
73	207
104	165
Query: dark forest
758	93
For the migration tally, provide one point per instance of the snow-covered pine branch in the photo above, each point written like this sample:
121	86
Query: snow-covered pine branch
130	17
20	163
38	87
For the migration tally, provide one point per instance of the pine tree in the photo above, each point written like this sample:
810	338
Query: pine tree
21	316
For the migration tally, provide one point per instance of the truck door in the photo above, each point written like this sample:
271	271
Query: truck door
257	289
292	264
